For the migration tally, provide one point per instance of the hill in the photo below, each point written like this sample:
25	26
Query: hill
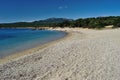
40	23
94	22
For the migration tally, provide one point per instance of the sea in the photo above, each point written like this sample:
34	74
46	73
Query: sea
13	41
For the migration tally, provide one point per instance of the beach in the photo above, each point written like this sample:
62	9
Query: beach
84	54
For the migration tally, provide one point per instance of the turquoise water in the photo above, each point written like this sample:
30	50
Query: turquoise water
16	40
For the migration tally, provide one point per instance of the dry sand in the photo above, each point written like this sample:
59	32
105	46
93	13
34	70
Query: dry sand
85	55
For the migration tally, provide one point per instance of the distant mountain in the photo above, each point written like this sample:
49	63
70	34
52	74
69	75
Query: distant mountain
95	22
53	20
43	23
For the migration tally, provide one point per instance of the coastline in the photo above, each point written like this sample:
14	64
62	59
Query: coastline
85	54
23	53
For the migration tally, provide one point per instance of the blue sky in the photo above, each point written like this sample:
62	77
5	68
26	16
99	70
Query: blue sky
30	10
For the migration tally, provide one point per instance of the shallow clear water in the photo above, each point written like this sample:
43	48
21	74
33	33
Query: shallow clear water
16	40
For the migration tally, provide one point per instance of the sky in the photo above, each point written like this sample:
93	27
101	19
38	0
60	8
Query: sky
31	10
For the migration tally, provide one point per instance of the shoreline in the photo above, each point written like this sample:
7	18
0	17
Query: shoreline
84	55
23	53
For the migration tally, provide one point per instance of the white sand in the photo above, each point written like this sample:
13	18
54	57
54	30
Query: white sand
85	55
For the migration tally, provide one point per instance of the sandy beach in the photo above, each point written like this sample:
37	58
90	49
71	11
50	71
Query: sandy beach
85	54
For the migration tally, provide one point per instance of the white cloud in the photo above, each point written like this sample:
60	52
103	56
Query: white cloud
62	7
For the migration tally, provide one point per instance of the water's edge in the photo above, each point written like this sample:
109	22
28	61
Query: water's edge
33	49
19	44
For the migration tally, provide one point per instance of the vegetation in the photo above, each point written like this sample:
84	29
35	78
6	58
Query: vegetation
98	22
